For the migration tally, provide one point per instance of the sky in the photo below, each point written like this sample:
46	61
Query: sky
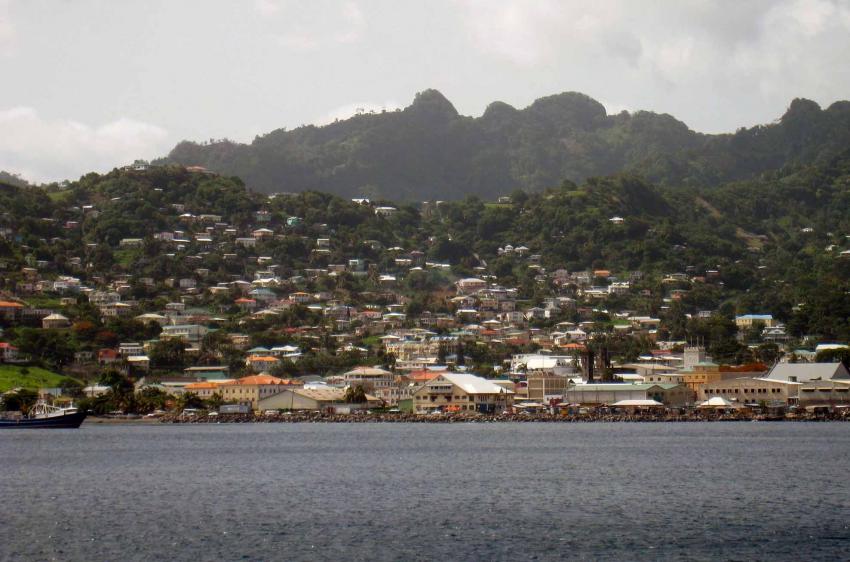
88	85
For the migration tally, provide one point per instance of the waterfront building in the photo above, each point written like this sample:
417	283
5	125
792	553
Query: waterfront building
805	372
204	389
606	394
251	389
748	390
460	392
329	400
824	393
540	386
371	378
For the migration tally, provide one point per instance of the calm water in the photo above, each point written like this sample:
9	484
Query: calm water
733	491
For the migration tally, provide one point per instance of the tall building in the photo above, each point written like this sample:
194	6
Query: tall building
695	354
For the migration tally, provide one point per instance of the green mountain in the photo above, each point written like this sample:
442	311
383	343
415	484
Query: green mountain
429	151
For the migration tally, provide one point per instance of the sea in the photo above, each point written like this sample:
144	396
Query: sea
469	491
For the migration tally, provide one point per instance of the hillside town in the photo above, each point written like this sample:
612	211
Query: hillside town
218	318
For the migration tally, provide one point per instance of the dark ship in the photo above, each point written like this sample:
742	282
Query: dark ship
43	415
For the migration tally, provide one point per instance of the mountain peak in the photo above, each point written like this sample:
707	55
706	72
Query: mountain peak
432	103
499	109
569	108
801	108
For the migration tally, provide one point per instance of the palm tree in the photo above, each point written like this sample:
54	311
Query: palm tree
355	395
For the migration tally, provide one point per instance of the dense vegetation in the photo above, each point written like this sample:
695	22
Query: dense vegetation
429	151
771	244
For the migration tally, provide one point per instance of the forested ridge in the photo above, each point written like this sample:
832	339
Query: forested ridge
429	151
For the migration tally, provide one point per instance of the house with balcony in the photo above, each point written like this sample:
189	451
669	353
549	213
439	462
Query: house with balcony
461	392
187	332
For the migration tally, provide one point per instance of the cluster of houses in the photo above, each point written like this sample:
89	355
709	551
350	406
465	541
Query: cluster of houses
427	346
533	382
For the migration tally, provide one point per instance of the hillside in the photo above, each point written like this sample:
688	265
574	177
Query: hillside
773	242
429	151
33	378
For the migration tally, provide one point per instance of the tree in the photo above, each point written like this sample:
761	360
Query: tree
188	400
441	354
168	353
355	395
460	360
52	346
20	401
841	355
120	396
72	387
149	399
215	401
767	353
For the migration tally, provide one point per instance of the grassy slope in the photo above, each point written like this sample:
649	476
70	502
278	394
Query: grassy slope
11	377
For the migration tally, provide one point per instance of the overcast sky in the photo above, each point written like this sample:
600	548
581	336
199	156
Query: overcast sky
92	84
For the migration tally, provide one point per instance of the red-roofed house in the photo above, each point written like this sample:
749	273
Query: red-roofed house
108	356
8	352
246	305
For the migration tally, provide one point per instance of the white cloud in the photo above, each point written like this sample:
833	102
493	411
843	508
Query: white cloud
352	109
48	150
760	53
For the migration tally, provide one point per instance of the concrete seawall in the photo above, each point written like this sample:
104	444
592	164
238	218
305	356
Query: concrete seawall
466	418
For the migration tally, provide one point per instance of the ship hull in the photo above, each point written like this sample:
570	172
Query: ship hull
68	421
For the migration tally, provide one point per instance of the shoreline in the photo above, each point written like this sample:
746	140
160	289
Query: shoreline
502	418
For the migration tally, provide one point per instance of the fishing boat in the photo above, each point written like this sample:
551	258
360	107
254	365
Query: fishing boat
43	415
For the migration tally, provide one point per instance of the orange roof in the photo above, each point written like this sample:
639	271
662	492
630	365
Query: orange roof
423	376
749	367
259	380
256	358
577	346
9	304
206	385
245	301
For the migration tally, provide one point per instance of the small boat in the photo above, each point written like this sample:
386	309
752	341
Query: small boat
43	415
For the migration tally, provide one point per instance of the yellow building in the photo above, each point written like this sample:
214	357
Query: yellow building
705	373
250	390
749	320
204	389
457	392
